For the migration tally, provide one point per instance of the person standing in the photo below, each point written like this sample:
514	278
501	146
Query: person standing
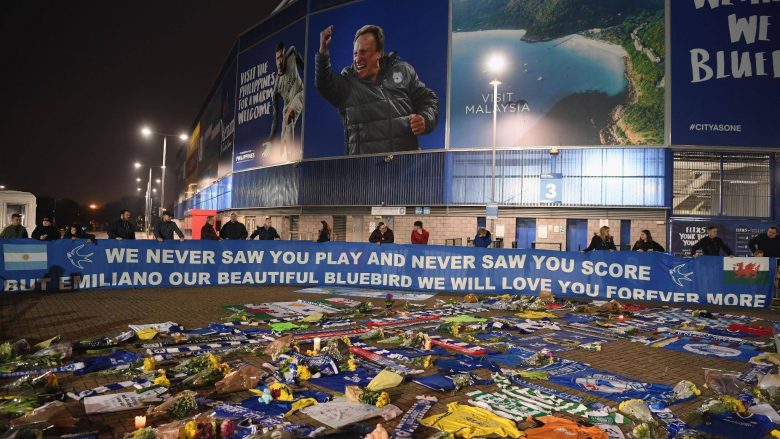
207	232
122	228
711	245
324	232
233	229
483	238
75	231
767	243
419	234
601	241
15	230
382	235
646	243
46	231
266	232
166	228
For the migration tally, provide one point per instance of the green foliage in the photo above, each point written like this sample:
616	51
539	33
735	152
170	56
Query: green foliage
546	19
652	34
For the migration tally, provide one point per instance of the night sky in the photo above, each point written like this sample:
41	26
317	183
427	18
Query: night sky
80	79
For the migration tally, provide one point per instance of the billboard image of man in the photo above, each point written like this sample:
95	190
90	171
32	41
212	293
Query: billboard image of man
382	102
288	86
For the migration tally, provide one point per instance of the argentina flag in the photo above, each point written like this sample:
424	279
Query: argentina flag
25	257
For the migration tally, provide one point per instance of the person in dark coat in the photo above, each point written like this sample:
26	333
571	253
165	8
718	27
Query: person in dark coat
646	243
383	104
382	235
166	228
207	232
324	232
711	245
46	231
75	231
768	243
15	230
122	228
483	238
602	241
266	232
233	229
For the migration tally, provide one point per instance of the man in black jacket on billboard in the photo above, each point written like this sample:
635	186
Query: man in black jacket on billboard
383	104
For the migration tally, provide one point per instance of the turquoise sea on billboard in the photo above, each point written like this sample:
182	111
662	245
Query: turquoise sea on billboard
555	92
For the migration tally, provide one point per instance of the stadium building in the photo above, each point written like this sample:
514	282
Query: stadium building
642	115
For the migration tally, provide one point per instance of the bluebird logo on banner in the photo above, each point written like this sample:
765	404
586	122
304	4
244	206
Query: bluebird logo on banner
77	259
631	276
678	276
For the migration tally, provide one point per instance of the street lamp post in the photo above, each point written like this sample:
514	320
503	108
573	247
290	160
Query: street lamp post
495	65
147	132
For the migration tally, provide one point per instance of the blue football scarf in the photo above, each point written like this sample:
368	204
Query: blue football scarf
557	341
727	350
411	419
464	363
117	358
580	376
443	383
578	318
513	357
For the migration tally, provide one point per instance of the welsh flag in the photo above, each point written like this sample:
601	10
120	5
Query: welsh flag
745	270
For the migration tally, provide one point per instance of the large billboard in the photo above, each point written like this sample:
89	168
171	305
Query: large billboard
577	73
376	100
210	138
725	70
227	119
269	100
736	234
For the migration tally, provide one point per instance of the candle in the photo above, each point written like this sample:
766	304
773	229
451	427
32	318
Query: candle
140	422
317	345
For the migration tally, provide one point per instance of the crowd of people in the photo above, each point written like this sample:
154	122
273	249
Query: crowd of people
764	244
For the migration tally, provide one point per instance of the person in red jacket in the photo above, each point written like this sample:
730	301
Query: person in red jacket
419	235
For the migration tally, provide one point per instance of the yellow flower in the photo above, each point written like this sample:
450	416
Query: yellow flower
775	433
427	362
351	364
285	394
189	430
455	329
735	404
225	368
506	297
303	373
383	400
346	340
213	361
162	379
149	364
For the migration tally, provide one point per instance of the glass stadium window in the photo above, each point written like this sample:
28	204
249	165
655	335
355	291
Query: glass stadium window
721	184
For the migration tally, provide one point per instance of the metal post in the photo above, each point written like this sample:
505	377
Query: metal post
148	203
162	183
495	83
